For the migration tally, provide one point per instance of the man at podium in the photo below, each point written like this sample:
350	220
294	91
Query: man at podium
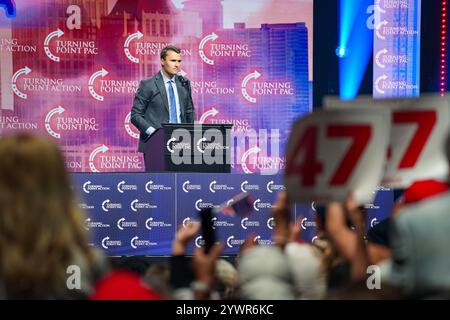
163	98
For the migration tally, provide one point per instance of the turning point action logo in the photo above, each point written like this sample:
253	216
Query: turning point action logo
16	75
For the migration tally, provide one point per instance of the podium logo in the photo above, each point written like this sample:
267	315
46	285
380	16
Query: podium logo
135	205
106	243
245	223
131	130
271	186
231	242
88	187
25	70
187	186
122	186
122	224
10	8
107	205
150	223
151	186
101	73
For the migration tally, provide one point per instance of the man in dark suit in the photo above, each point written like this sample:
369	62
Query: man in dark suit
164	98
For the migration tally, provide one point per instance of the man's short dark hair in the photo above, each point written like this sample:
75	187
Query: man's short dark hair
169	48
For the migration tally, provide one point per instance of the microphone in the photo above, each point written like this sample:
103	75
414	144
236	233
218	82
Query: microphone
184	82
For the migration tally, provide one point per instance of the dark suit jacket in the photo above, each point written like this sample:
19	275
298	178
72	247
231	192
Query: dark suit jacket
151	107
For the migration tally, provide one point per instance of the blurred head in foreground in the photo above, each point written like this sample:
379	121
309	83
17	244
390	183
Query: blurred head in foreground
41	229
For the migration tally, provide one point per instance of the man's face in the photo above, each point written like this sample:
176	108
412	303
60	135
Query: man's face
171	64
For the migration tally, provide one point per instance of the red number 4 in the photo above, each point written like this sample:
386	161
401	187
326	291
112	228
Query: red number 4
311	166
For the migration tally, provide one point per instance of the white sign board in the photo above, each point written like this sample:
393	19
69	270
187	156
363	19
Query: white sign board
419	128
332	152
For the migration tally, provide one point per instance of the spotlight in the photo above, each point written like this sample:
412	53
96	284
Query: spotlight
341	51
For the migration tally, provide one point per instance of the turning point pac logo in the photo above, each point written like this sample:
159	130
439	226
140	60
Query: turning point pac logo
101	73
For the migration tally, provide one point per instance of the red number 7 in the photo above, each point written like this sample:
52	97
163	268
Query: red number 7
425	123
361	135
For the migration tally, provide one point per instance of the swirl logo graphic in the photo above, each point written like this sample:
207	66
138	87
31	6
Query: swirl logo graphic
207	38
16	75
85	186
199	242
119	223
252	150
210	113
93	154
105	205
252	76
128	129
101	73
131	37
132	242
197	203
270	223
255	204
104	241
59	110
58	33
119	185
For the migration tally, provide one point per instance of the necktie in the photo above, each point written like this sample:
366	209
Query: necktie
172	104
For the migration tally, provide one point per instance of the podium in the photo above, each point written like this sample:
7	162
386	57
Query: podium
189	148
